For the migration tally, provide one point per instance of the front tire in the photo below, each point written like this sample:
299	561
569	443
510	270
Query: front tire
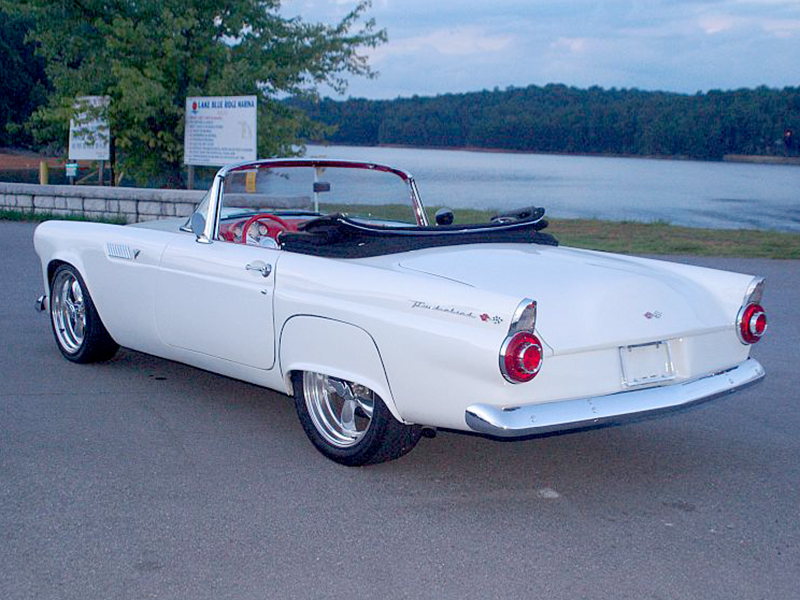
348	422
80	334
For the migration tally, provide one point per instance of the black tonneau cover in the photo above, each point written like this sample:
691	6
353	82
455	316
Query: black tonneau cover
336	236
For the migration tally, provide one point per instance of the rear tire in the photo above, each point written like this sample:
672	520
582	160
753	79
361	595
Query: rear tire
349	423
80	334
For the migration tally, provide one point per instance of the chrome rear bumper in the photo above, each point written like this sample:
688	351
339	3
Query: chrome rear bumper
532	419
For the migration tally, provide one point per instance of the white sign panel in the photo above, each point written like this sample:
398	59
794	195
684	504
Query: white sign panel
88	130
220	130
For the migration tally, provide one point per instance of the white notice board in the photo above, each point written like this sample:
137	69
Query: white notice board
220	130
88	130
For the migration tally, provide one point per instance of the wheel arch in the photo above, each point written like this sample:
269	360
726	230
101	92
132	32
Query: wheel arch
73	260
335	348
54	250
54	264
90	342
66	258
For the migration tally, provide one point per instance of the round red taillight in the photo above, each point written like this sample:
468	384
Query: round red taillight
752	323
521	357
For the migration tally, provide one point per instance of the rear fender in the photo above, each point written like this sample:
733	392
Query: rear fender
335	348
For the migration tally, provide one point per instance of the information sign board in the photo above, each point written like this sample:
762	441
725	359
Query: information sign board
89	136
220	130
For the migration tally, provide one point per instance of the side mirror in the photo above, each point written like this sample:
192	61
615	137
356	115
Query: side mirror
444	216
197	224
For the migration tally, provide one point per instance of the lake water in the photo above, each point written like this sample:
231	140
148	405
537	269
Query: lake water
693	193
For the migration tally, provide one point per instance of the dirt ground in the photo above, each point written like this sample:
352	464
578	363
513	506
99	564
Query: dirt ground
24	161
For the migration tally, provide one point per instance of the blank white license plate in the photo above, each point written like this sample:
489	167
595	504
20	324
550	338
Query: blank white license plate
647	363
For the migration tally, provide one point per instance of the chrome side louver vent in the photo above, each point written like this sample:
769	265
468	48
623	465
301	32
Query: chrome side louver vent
121	251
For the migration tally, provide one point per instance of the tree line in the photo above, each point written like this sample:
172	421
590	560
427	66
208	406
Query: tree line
561	119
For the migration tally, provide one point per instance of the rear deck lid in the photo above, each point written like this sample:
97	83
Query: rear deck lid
585	299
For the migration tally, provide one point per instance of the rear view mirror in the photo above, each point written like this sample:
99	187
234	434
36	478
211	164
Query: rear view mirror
444	216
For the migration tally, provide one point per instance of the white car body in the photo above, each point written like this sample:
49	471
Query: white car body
423	329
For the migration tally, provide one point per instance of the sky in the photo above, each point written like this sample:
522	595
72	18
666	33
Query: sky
450	46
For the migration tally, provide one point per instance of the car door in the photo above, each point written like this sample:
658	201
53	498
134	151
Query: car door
216	299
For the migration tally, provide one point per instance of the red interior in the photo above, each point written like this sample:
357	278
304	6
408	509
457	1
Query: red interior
227	227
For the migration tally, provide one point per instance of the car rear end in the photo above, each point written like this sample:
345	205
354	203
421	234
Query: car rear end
584	387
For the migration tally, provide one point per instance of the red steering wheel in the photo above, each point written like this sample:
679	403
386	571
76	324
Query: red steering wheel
284	225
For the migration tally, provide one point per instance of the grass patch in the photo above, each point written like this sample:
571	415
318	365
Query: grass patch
633	237
626	237
30	217
403	213
629	237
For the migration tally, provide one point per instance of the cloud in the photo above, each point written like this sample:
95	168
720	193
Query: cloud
446	46
572	45
458	42
748	26
782	28
791	4
717	23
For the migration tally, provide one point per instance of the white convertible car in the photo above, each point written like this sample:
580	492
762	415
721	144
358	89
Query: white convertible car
324	280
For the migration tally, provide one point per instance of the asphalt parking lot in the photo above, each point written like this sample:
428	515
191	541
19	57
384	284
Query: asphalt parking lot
143	478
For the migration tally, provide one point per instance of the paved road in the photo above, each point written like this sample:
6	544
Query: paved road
142	478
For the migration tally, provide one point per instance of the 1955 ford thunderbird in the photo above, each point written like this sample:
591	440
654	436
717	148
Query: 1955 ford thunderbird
323	279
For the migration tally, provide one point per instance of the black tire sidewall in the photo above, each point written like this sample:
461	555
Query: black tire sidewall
97	344
360	453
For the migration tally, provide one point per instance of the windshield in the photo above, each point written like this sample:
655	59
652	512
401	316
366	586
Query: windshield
363	194
339	209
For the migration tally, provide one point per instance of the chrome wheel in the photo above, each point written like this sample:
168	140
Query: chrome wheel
348	422
68	311
80	334
341	411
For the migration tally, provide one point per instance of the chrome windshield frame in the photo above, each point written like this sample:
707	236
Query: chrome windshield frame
216	192
419	208
214	204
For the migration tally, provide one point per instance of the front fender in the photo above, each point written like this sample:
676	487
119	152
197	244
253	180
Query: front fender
336	348
50	251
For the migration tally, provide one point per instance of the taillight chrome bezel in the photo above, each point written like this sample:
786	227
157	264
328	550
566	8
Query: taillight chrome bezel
512	356
748	326
524	318
755	292
519	340
749	314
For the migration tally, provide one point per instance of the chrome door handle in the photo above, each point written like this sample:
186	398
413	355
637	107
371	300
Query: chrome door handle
264	269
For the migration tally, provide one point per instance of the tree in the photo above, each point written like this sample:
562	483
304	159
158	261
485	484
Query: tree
22	79
149	55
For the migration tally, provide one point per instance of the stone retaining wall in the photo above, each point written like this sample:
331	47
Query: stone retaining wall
97	202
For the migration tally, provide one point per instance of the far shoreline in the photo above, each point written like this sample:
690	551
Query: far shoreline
755	159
